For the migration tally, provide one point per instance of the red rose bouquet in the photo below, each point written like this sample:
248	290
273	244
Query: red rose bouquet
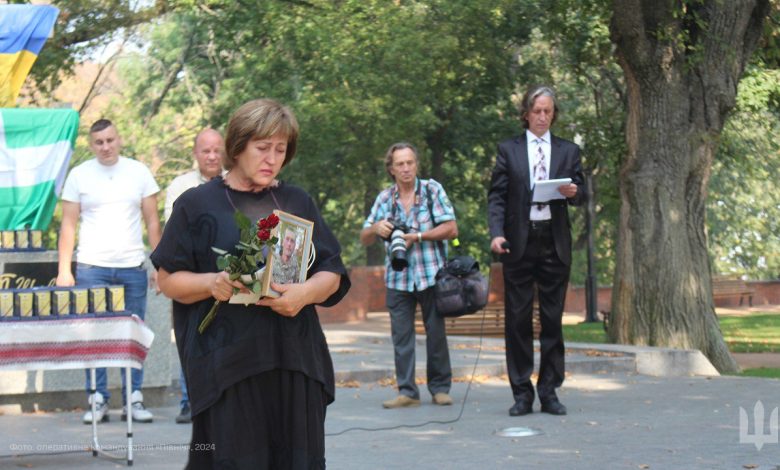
253	240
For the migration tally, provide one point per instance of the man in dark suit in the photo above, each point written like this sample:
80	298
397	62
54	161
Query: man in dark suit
534	241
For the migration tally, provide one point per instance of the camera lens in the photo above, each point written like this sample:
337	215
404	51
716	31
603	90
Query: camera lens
398	251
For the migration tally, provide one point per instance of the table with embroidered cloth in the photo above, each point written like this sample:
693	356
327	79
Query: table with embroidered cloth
78	342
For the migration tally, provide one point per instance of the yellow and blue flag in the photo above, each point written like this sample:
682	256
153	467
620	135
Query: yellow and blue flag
23	31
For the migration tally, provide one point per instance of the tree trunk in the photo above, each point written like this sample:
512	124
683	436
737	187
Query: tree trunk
682	64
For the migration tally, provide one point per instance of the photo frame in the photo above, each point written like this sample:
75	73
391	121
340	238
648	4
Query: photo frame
288	262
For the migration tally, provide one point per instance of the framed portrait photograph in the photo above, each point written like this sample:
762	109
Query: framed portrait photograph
288	262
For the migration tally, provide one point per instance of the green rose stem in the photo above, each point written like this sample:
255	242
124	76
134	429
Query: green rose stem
209	317
213	311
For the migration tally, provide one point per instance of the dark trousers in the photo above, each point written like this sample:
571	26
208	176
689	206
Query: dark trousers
539	266
402	305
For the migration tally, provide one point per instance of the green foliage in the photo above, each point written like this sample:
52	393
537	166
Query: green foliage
444	75
359	75
768	52
744	205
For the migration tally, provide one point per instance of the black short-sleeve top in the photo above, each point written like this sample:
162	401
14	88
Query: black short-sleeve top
243	340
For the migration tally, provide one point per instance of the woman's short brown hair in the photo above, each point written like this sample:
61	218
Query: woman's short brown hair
259	119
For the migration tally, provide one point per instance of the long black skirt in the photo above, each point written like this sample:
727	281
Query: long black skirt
273	420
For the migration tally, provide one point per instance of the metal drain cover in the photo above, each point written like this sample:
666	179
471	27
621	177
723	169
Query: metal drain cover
518	432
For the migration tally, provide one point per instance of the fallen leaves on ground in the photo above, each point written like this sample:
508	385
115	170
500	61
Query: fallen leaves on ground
348	384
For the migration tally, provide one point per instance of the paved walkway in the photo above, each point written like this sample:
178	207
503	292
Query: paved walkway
618	419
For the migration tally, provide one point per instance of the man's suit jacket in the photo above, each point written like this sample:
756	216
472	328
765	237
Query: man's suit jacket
509	197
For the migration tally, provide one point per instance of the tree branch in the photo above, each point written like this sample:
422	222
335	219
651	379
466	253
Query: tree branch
172	78
627	31
108	65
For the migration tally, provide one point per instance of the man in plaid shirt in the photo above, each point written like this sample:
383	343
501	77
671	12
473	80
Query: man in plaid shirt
423	207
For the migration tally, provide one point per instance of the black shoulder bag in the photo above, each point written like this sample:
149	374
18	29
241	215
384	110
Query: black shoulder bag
460	288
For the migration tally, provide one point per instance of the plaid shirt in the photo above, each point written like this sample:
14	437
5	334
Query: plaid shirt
424	258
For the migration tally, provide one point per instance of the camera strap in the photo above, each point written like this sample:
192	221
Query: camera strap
439	243
417	199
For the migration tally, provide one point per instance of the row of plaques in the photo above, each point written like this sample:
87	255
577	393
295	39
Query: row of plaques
21	240
48	302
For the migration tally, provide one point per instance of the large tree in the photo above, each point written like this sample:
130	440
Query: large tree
682	61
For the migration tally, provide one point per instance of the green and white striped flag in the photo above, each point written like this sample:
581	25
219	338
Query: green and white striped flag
35	149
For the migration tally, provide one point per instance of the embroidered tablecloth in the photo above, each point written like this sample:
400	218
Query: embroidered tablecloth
74	343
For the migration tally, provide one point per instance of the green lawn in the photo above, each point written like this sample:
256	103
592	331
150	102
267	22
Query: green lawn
752	333
765	372
585	333
755	333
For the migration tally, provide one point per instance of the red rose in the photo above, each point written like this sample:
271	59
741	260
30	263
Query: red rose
263	234
273	220
262	224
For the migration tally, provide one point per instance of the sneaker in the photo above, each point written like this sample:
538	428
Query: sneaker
140	413
442	399
185	415
401	401
101	409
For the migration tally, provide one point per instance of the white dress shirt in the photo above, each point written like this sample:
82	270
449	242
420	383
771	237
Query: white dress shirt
533	146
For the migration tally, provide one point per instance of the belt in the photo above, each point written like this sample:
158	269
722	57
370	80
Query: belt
540	224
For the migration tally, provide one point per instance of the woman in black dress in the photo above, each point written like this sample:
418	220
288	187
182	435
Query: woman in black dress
260	376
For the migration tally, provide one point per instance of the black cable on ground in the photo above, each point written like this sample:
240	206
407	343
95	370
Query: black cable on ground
426	423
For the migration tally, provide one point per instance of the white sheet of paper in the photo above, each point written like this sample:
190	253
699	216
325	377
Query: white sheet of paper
547	190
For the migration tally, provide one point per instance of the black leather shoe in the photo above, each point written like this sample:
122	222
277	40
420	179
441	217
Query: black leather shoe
553	407
520	408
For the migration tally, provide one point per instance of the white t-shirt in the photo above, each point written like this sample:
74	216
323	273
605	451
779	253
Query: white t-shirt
110	234
177	187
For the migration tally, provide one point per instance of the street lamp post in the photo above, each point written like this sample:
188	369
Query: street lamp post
591	289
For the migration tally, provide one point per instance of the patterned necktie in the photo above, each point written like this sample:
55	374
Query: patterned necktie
540	171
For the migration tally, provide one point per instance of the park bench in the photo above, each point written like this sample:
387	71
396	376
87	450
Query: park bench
471	325
725	287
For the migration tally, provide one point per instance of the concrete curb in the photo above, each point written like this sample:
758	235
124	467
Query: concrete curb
581	358
658	362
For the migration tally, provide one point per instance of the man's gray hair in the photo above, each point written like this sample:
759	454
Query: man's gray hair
530	97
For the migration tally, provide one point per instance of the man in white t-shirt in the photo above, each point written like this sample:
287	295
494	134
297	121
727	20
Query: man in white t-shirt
110	195
207	149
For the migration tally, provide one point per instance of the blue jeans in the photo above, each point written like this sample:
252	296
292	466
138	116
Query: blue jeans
185	397
136	284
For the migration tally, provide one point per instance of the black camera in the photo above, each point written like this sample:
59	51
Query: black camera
397	248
